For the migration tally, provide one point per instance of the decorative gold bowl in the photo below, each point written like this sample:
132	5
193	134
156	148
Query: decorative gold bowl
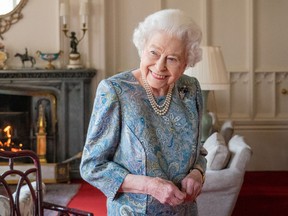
49	57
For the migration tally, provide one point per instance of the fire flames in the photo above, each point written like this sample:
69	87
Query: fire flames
9	145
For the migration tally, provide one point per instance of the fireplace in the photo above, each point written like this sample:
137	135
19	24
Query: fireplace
59	97
19	118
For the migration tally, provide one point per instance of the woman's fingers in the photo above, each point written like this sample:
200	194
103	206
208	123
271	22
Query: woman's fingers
191	186
166	192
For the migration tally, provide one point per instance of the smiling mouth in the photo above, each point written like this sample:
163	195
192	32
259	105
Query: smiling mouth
157	76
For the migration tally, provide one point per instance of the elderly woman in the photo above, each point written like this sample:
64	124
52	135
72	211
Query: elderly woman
143	148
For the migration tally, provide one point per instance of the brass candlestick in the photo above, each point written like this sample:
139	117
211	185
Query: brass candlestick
74	55
41	135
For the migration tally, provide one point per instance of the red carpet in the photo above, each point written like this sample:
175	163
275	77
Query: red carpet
89	199
262	193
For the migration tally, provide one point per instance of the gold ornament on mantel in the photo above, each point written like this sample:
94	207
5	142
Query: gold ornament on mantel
41	134
3	57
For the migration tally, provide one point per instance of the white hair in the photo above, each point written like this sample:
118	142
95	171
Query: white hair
176	23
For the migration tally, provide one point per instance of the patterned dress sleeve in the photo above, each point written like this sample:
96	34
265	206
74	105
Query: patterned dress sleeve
201	161
103	137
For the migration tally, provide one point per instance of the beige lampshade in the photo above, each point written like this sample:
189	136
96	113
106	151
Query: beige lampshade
211	70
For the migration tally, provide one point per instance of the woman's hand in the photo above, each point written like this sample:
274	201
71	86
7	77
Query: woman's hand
192	184
165	191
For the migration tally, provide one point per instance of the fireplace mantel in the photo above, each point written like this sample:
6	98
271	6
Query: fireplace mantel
44	74
71	90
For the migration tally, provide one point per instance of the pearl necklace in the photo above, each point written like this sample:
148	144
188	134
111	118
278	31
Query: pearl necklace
159	109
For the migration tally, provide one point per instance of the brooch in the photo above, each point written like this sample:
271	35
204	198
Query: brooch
182	91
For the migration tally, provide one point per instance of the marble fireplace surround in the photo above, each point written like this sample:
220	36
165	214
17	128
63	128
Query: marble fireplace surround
68	91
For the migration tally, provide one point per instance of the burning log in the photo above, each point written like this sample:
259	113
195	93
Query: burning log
9	145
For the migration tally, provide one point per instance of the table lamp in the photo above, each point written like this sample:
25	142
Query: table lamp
212	75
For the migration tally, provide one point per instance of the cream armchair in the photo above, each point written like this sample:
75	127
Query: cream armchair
222	186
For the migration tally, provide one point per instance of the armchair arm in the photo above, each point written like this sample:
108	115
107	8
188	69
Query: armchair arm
232	175
65	210
222	180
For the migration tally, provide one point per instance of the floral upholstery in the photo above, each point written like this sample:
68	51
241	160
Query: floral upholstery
4	206
25	200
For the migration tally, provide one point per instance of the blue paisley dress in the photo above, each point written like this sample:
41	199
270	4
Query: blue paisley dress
125	136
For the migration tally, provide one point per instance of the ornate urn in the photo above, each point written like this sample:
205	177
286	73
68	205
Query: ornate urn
49	57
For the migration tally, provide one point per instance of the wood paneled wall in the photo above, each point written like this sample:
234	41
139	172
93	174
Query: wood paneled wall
254	40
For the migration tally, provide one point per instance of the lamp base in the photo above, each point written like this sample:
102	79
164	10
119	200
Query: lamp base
74	61
206	126
206	121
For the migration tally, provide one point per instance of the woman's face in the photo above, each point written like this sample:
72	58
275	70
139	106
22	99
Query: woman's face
163	60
